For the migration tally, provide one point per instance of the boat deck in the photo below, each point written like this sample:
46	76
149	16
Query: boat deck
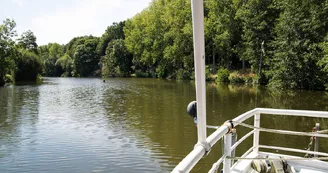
297	166
254	159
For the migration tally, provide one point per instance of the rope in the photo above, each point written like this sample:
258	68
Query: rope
279	131
307	155
281	158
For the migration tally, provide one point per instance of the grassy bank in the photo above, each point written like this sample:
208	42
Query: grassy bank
235	76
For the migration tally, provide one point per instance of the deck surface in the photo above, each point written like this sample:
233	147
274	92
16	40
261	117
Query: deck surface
300	166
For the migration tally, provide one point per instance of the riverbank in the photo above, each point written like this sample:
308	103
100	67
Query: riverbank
234	77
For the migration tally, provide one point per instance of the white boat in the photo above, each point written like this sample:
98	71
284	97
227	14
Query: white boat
254	159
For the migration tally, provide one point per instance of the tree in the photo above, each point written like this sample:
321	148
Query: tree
86	59
178	50
118	60
160	39
323	63
113	32
139	41
28	66
28	41
50	54
257	18
300	31
222	32
66	63
43	52
55	50
7	32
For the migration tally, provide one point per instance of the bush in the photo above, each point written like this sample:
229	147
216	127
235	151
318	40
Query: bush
256	79
248	79
161	71
141	74
245	76
182	74
222	75
66	74
234	77
208	74
28	67
39	78
9	78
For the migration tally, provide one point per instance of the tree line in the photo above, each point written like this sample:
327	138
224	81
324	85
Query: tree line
282	43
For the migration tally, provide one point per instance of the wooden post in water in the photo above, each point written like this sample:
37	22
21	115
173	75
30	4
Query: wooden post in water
316	139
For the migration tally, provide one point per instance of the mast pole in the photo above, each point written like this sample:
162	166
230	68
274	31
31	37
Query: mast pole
199	60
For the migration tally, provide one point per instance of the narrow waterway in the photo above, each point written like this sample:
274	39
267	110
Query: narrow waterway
130	125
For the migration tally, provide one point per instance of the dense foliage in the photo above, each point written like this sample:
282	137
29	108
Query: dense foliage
7	32
117	61
283	43
19	60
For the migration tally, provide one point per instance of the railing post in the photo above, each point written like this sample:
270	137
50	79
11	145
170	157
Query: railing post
233	141
256	136
227	152
316	139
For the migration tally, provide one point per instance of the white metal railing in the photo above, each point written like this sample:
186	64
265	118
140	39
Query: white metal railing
200	149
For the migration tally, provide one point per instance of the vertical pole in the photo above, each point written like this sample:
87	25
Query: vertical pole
316	139
233	141
256	136
199	61
227	152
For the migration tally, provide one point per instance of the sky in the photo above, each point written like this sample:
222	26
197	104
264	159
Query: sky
61	20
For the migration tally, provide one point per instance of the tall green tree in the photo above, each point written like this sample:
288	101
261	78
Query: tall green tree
28	41
222	33
258	19
7	32
323	63
118	60
136	41
178	52
28	66
66	63
299	32
85	59
43	52
70	47
160	39
54	52
113	32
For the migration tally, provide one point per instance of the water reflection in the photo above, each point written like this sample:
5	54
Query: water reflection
18	119
130	125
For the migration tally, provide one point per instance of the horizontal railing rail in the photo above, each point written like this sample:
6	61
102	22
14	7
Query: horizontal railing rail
289	112
223	131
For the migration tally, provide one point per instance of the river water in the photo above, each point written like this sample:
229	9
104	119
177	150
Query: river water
82	125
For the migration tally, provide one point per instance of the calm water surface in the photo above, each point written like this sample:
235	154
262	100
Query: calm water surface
130	125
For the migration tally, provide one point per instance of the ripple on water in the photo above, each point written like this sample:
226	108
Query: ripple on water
84	125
